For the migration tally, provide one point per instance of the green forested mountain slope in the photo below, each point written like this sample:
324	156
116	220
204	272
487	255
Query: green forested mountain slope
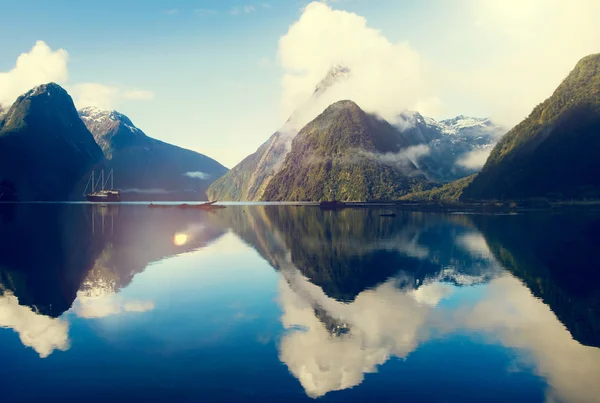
554	152
345	154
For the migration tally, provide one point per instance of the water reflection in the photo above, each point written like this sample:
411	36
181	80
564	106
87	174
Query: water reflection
359	289
56	258
355	294
41	332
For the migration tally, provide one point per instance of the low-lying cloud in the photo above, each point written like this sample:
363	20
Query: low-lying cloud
475	159
197	175
400	159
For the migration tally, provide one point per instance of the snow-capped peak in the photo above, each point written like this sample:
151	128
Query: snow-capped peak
462	122
48	89
97	114
459	125
334	75
94	116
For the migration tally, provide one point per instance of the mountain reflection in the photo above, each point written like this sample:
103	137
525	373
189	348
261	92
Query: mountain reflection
355	291
58	257
358	289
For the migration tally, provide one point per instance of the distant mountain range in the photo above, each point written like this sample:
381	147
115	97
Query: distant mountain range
456	147
146	168
551	155
47	150
449	149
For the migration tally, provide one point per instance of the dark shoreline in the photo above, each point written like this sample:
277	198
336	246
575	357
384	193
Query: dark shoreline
482	207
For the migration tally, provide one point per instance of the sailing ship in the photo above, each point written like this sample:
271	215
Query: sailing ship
102	195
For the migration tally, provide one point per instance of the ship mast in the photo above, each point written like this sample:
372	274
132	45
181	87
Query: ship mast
102	180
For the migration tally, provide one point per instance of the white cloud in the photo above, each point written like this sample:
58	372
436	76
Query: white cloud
172	11
38	66
234	11
42	65
249	9
42	333
197	175
510	58
401	159
385	78
475	159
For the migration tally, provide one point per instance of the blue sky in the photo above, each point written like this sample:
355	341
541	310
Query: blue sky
212	76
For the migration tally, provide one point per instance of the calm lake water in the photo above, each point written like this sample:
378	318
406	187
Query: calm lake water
292	304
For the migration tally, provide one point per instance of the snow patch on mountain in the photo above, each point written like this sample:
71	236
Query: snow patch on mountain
458	147
96	116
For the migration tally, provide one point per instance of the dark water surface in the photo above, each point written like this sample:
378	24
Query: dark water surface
292	304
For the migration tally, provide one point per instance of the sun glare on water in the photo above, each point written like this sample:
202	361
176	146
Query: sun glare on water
180	239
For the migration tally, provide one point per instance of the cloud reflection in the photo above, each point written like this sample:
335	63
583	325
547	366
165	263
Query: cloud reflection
99	306
42	333
382	322
512	316
393	319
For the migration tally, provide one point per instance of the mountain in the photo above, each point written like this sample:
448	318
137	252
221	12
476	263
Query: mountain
553	153
45	149
346	154
457	147
453	148
146	168
248	180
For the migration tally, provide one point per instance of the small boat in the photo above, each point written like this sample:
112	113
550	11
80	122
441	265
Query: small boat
204	206
103	195
334	204
387	215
